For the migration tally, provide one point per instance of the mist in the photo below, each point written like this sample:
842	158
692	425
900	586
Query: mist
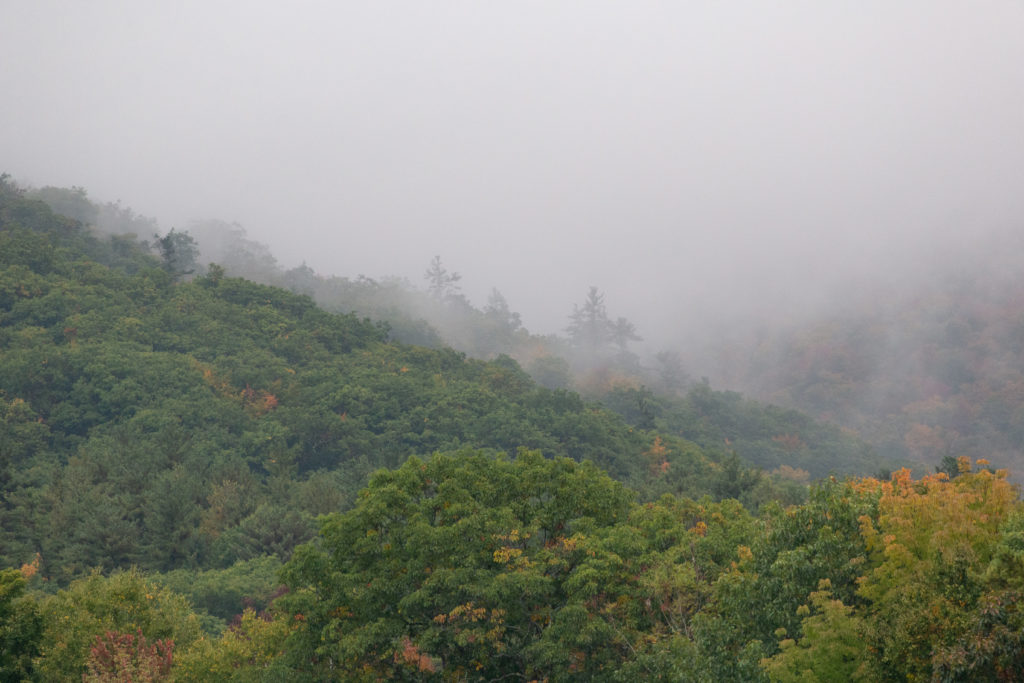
703	164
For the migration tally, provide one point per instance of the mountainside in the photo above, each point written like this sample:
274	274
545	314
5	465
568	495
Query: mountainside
929	371
158	419
208	479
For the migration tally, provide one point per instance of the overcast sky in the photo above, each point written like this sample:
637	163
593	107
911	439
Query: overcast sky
728	154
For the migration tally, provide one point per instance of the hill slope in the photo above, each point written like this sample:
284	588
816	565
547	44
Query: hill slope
932	370
151	420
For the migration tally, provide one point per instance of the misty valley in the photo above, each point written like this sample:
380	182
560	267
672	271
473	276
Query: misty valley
216	468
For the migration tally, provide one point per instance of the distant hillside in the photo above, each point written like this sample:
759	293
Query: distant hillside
930	370
781	440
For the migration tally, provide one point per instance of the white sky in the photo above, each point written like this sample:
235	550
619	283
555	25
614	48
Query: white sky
735	156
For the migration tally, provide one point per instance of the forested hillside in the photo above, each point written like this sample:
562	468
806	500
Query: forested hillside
163	421
168	420
928	370
594	357
206	478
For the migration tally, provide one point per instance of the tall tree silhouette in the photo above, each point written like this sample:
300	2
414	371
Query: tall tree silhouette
441	283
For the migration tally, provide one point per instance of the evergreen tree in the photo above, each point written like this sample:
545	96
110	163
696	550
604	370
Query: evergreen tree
179	253
589	329
441	283
497	309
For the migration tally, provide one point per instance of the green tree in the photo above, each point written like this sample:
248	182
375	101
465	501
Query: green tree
551	372
125	602
73	203
794	550
226	593
21	628
622	332
832	647
498	311
179	252
589	329
468	563
250	651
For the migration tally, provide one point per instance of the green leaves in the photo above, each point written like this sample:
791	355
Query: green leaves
832	647
125	603
20	628
467	559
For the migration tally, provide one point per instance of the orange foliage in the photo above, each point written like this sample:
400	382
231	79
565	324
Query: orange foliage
258	402
29	570
411	656
657	457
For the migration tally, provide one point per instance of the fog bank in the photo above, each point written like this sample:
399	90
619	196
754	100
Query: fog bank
699	162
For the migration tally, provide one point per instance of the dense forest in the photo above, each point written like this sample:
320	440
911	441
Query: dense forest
206	477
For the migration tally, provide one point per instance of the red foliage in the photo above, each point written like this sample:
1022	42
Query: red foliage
119	657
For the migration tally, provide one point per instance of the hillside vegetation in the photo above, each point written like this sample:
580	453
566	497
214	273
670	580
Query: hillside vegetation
157	418
206	478
930	371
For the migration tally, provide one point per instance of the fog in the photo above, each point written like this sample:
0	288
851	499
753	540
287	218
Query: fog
699	162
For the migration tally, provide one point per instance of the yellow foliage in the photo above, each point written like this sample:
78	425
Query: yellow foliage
657	457
934	518
220	385
254	644
504	555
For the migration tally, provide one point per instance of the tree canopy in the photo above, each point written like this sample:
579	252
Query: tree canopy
206	478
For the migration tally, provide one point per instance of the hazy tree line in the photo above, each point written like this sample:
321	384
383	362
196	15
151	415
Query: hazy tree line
594	354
